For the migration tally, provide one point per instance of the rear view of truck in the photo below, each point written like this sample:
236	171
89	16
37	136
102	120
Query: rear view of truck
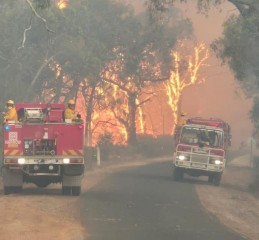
42	148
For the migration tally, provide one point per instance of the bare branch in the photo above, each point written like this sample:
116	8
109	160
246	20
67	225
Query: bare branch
159	79
144	101
38	16
109	121
24	35
120	119
44	64
117	84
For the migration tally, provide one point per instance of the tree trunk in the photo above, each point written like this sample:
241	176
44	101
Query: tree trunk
89	112
59	87
246	7
132	136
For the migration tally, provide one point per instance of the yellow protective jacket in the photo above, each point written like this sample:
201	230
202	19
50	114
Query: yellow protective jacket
11	115
69	114
182	121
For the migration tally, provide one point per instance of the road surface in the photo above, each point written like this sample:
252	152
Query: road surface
143	203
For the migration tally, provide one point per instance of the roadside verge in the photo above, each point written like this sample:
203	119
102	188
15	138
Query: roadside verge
233	203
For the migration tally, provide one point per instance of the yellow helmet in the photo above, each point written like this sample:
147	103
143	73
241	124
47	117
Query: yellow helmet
183	114
71	102
11	102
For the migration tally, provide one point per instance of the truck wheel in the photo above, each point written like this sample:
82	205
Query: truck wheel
17	189
66	190
12	189
178	174
7	190
76	191
217	179
210	179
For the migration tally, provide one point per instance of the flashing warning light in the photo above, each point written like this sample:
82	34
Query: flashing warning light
7	128
215	124
207	122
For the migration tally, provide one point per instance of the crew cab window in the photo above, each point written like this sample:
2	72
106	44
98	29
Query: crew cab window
205	136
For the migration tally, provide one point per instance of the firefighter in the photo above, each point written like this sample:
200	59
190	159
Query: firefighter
11	114
70	113
70	110
182	119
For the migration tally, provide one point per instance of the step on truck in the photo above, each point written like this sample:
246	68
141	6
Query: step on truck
200	150
43	148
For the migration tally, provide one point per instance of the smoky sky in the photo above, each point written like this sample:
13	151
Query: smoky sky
219	96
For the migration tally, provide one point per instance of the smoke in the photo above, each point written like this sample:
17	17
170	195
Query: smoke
220	96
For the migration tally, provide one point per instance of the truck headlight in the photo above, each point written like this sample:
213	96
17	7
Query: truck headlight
183	157
218	162
21	160
66	160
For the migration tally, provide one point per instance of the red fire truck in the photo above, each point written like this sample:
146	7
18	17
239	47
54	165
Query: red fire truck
201	146
43	148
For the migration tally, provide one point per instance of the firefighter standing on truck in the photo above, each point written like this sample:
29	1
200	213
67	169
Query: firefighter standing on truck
11	114
182	119
70	110
70	114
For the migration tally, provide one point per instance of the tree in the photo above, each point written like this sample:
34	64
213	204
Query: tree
19	64
184	73
88	32
239	46
245	7
97	33
254	113
143	59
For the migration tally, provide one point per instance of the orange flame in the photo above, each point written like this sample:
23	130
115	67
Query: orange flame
62	4
185	74
105	120
140	118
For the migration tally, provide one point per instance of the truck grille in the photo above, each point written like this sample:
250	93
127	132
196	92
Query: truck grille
41	169
199	158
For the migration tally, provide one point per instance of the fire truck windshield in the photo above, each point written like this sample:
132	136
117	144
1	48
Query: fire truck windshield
202	136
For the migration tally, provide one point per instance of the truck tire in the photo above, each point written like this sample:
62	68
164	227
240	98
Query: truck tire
210	179
76	191
7	190
17	189
12	189
178	174
217	179
66	190
12	181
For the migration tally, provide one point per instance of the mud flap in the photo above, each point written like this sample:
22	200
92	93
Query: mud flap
71	181
12	179
74	169
71	185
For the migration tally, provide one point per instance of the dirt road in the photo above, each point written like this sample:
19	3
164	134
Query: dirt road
46	214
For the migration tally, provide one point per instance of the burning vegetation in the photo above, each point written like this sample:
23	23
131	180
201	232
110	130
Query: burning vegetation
125	73
120	103
62	4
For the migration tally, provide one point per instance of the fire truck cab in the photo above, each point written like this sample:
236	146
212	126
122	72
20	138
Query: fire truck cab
43	148
200	149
